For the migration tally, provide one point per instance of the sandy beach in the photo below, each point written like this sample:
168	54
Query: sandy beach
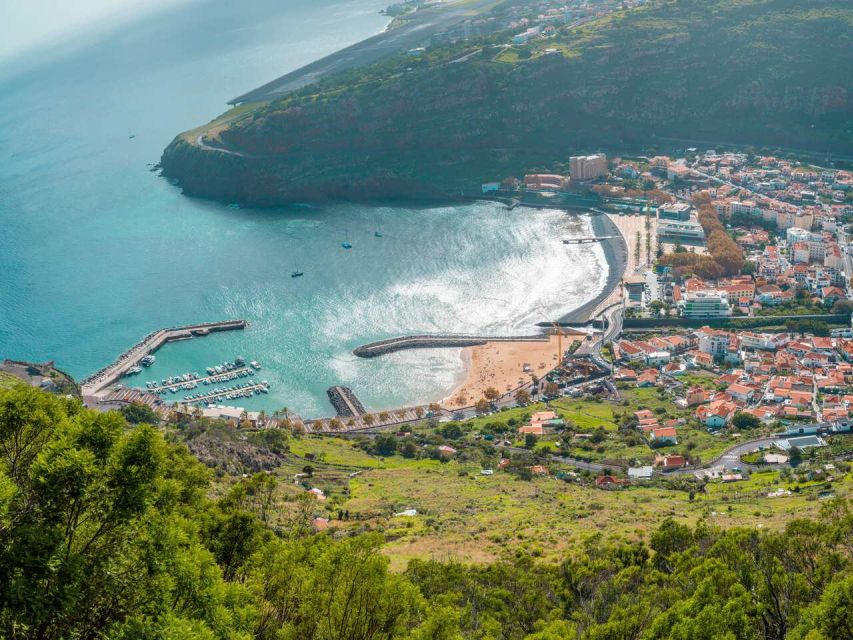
502	365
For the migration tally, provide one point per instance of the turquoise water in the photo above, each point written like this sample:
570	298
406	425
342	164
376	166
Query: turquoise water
96	251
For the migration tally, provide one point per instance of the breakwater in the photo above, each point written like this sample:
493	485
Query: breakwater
345	402
391	345
96	383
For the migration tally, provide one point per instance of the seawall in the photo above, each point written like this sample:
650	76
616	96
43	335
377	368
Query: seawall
391	345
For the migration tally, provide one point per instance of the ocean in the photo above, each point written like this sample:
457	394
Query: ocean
96	250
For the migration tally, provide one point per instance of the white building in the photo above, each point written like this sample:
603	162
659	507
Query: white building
706	304
763	341
714	342
678	229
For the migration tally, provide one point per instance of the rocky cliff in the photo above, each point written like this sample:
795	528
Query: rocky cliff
773	73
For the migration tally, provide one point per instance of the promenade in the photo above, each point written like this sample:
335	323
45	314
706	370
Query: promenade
97	384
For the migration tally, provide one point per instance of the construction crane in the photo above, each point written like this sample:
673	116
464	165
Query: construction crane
560	333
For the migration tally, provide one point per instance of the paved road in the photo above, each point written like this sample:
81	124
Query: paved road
730	458
201	143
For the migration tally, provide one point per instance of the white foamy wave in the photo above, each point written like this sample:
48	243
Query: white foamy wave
537	279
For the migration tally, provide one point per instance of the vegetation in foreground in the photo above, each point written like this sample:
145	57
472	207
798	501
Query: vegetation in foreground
109	531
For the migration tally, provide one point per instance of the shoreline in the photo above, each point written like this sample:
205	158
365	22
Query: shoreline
616	257
501	363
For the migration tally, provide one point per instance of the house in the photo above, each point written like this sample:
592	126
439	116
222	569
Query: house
740	392
649	378
609	481
534	429
664	435
656	358
717	414
624	375
670	462
446	452
317	493
695	396
539	421
640	473
538	470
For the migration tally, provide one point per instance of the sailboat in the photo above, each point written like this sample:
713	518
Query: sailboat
377	234
296	274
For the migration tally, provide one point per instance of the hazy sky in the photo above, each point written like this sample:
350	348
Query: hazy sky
26	23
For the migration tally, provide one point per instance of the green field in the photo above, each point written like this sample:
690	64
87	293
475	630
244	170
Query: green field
7	380
466	516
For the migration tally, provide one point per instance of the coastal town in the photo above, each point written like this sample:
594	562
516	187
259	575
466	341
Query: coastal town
733	310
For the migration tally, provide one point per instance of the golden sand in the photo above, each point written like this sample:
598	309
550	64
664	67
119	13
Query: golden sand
504	366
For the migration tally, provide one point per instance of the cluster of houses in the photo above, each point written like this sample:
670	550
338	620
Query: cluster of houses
772	376
776	282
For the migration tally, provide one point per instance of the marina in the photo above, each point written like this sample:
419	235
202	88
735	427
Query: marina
192	380
142	353
229	393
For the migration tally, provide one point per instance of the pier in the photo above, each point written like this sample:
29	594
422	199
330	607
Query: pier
588	240
97	383
213	395
391	345
346	404
216	378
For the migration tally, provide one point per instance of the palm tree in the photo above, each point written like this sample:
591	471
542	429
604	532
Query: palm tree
368	419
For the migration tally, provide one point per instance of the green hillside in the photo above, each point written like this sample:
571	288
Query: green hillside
763	72
109	531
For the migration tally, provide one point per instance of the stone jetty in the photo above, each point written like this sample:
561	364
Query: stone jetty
97	383
391	345
346	404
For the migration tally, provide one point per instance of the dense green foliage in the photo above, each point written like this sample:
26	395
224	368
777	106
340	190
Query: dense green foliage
108	531
766	72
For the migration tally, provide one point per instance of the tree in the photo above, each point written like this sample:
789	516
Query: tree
385	445
491	393
138	412
409	449
451	431
832	616
529	441
522	396
745	421
843	306
482	406
368	419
